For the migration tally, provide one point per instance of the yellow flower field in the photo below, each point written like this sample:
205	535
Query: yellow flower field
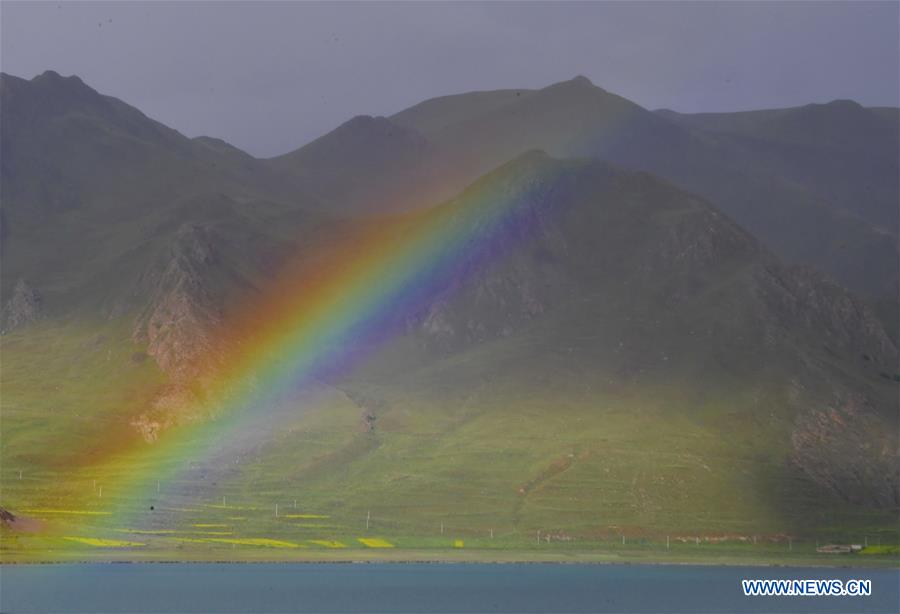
374	542
146	531
256	541
73	512
170	532
104	543
241	541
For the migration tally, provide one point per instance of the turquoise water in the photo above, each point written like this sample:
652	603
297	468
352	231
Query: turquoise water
422	588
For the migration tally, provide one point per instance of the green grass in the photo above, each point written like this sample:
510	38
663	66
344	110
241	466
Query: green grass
24	550
60	383
631	427
887	550
494	464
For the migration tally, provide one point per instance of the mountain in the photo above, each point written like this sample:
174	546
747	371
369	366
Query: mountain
75	148
371	165
843	153
616	283
108	212
592	350
804	197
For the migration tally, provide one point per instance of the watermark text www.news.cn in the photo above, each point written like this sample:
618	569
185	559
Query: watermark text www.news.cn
807	588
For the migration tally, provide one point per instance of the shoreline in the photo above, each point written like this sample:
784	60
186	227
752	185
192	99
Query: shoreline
407	558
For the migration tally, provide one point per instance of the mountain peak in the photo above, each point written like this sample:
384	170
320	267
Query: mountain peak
54	79
834	107
581	80
48	75
843	103
51	85
47	93
359	121
578	85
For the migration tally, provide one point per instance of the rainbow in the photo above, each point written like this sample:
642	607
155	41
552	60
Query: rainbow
319	320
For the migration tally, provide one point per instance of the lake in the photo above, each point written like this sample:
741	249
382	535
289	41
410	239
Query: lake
424	588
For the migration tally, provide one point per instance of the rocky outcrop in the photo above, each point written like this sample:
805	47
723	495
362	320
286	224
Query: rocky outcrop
173	405
184	311
183	326
19	524
845	449
804	301
495	306
24	307
180	326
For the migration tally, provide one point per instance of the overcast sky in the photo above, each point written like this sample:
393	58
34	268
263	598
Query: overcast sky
269	77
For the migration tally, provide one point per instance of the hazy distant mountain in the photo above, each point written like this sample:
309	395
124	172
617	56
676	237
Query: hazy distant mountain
815	196
70	147
620	348
372	166
843	153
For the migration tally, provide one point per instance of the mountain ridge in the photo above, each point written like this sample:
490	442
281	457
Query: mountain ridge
845	241
689	378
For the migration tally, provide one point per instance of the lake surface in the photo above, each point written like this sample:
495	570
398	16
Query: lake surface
423	588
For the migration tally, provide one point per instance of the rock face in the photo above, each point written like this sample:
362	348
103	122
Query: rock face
846	450
6	516
500	303
805	300
177	327
481	302
24	307
170	407
19	524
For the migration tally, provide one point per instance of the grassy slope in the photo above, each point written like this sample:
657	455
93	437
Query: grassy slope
50	378
559	429
479	452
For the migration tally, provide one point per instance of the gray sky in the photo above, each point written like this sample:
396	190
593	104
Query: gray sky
269	77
